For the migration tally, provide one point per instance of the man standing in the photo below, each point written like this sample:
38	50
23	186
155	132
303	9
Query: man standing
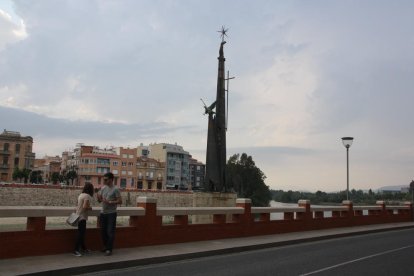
110	197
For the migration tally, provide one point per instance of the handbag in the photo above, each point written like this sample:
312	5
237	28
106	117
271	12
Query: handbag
73	219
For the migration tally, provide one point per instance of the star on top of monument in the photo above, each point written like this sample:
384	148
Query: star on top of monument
223	32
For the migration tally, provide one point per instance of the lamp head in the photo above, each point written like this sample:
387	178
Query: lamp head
347	141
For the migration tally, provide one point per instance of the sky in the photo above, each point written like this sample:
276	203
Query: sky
126	72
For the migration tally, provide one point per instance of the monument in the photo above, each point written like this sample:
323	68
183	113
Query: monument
215	179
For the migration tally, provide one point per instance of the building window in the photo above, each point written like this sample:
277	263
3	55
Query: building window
123	172
129	173
115	171
16	161
115	163
123	183
6	146
17	148
139	185
124	155
123	164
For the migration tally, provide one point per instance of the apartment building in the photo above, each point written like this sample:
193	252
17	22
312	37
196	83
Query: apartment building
48	165
126	169
15	152
176	159
150	173
197	174
94	162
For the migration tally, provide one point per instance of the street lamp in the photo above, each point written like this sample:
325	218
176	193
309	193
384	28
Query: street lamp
347	141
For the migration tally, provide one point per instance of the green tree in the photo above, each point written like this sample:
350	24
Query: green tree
55	177
248	180
36	177
71	175
17	174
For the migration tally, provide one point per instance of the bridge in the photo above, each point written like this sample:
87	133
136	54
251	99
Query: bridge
146	226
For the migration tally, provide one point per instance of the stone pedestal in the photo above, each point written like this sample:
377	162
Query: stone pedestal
212	199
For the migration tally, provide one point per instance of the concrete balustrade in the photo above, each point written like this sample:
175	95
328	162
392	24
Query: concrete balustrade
146	225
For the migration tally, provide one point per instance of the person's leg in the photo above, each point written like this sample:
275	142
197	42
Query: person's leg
103	221
82	231
111	230
78	239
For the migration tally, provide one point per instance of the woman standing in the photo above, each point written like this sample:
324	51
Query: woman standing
84	205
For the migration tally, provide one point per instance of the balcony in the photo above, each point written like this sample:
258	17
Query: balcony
30	155
4	152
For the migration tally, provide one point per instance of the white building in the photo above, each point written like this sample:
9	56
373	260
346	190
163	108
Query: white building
177	171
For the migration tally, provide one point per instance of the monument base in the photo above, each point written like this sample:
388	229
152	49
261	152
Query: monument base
211	199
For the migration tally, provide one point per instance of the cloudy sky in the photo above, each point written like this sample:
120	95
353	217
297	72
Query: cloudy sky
121	73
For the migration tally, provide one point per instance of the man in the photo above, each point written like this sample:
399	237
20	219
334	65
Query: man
110	197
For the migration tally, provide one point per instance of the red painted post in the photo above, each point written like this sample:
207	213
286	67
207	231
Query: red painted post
151	221
409	212
383	211
245	219
307	215
349	213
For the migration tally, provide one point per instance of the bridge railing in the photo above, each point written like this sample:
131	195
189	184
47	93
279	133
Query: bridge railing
147	227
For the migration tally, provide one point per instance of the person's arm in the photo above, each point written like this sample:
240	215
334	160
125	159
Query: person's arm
99	196
86	205
118	199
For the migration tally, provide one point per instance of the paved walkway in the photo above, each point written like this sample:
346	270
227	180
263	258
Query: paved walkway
67	264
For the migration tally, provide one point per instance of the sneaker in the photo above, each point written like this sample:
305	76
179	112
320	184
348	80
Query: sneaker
108	252
77	254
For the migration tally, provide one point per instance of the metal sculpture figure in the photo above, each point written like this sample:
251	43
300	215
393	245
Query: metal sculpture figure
215	180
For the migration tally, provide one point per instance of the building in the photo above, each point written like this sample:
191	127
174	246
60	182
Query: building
127	169
197	174
150	173
15	152
176	159
48	165
94	162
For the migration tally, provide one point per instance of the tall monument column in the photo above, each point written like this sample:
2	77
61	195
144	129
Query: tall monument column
215	180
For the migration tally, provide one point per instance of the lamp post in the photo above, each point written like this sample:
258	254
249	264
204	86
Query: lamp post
347	141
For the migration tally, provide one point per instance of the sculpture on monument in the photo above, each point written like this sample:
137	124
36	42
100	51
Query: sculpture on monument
215	180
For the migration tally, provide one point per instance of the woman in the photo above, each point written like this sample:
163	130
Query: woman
84	205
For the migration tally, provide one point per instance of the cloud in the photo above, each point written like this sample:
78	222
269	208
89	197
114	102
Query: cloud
306	74
12	32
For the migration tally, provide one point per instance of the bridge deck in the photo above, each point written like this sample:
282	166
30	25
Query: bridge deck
68	264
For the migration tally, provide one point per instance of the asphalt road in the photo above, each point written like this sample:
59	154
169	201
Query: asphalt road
385	253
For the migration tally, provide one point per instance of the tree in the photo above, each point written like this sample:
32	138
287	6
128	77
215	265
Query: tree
55	177
36	177
71	175
17	174
248	180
